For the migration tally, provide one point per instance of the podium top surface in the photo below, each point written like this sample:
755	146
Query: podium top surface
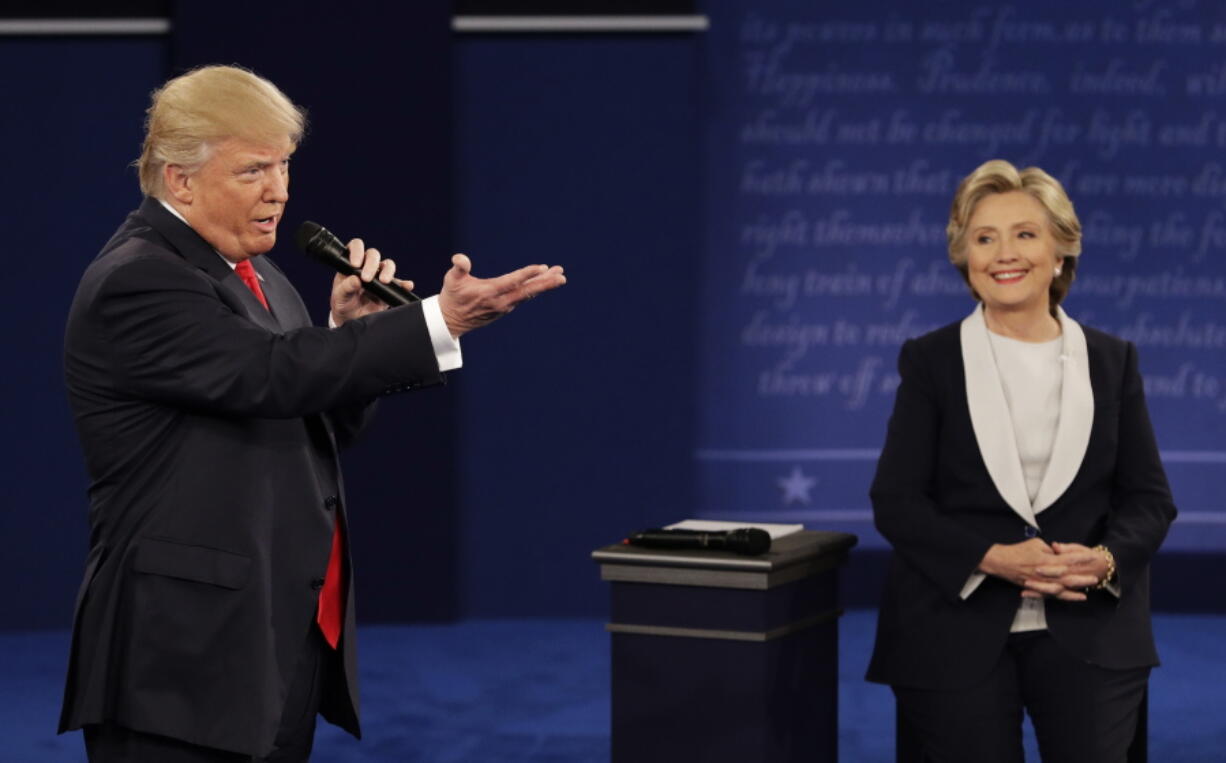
797	548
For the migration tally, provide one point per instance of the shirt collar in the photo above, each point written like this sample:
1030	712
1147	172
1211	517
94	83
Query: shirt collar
175	212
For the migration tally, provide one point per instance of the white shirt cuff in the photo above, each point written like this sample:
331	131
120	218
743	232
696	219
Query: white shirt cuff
446	347
971	584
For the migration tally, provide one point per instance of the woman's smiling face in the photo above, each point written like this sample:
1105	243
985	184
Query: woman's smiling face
1011	254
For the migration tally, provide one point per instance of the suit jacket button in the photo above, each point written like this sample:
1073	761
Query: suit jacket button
330	502
317	584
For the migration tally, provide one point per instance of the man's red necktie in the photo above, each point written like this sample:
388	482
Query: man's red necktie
247	273
331	610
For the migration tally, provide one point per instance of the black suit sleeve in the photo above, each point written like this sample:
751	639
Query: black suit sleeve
904	511
172	338
1141	504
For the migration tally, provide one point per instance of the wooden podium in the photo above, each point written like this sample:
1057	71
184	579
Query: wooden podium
720	657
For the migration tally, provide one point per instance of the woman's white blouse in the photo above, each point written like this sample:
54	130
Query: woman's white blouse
1032	375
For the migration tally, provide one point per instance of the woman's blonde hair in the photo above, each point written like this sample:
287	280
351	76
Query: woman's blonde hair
999	176
191	113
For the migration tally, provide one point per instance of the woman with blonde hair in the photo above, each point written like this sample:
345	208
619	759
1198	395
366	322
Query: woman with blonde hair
1022	493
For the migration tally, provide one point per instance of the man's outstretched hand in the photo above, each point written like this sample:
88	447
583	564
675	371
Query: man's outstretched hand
468	302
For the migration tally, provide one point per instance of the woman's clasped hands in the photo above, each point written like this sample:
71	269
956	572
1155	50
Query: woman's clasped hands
1060	570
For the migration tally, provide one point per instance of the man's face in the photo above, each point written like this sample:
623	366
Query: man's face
236	198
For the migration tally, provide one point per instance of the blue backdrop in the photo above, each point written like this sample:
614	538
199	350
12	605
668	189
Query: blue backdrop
752	220
836	136
70	122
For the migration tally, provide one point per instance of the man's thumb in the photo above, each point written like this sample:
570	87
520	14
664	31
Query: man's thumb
461	264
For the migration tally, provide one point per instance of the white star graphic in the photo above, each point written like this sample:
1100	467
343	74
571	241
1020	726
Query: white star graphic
796	486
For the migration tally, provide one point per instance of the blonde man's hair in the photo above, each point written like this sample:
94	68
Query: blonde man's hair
999	176
192	113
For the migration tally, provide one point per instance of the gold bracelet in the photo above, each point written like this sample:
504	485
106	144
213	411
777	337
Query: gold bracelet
1110	576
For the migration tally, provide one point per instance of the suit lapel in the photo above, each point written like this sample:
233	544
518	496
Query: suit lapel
1076	417
255	311
188	243
283	300
985	397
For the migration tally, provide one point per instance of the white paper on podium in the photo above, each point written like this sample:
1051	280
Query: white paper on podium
776	531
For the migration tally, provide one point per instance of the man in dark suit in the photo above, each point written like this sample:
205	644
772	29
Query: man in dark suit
216	617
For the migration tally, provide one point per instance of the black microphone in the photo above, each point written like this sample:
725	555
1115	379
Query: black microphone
318	241
749	541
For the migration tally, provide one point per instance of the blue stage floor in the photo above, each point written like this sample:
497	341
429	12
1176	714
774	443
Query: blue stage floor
503	691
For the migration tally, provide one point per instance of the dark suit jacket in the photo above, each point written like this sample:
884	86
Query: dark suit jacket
949	485
210	428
